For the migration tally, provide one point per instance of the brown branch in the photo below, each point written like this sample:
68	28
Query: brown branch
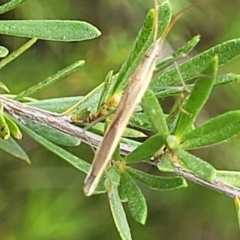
63	123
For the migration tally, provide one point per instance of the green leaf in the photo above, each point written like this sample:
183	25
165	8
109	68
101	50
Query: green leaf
55	30
158	182
187	47
197	98
140	119
12	147
142	43
3	51
216	130
4	129
226	78
230	177
50	80
165	164
57	105
51	134
4	87
146	150
65	155
17	53
237	204
105	88
113	178
136	201
196	165
225	51
120	80
10	5
119	215
177	55
174	90
13	127
155	113
88	102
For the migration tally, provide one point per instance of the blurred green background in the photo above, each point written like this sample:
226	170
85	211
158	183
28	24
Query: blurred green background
45	200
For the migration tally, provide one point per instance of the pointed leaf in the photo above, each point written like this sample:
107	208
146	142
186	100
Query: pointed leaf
55	30
237	204
136	201
146	150
10	5
216	130
17	53
196	165
197	98
119	215
189	69
4	129
158	182
12	147
105	88
227	78
50	80
13	127
187	47
153	110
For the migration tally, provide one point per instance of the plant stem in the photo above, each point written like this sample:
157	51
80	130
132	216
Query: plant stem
64	124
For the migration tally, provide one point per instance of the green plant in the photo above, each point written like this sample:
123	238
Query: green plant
172	134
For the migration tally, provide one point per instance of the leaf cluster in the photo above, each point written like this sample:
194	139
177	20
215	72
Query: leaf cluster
168	137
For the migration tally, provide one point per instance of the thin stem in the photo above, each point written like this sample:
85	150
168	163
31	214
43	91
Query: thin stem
63	123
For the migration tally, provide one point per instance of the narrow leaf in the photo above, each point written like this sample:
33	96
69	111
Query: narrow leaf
216	130
50	80
230	177
10	5
146	150
55	30
153	110
158	182
119	215
237	204
196	165
198	97
51	134
105	88
227	78
4	129
113	178
225	51
187	47
13	127
136	201
4	87
12	147
57	105
68	157
17	53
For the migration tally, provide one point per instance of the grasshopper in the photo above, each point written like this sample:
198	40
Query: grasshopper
138	83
